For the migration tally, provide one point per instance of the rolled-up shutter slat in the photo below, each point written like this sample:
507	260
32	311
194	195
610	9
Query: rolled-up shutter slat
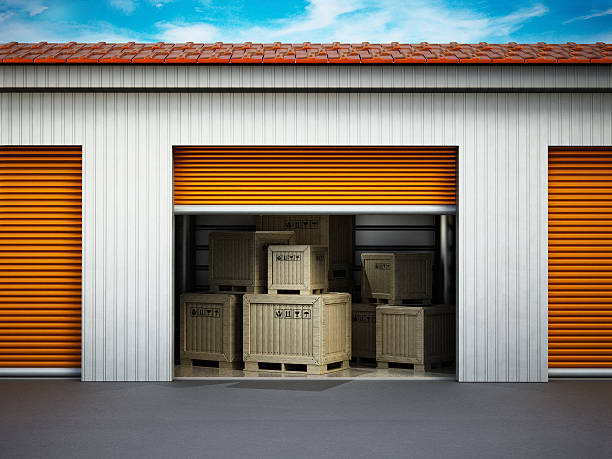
40	257
580	258
315	175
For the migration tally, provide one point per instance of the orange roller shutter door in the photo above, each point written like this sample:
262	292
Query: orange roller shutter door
40	257
580	258
315	175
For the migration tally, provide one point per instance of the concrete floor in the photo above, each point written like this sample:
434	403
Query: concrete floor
304	419
356	371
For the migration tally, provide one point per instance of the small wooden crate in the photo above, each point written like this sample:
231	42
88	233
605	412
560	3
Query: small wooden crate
297	269
419	335
211	328
396	278
309	333
337	232
364	331
239	259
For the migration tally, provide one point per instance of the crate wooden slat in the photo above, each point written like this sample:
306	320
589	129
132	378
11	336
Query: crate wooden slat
297	330
363	320
337	232
239	259
298	269
418	335
211	328
396	278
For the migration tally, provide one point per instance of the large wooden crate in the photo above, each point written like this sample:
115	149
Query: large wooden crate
310	333
418	335
211	328
364	331
239	259
300	269
396	278
334	231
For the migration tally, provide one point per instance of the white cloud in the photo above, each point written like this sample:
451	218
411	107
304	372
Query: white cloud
369	20
127	6
32	7
591	15
181	32
23	31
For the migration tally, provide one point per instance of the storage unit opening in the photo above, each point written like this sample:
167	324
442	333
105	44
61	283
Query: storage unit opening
356	296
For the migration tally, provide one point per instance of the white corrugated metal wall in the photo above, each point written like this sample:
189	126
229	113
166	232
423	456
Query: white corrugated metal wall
127	141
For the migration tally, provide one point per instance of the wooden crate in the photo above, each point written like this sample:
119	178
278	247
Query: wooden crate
363	322
396	278
419	335
337	232
239	259
211	328
310	333
298	269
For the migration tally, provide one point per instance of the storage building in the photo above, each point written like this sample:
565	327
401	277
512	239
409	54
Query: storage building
114	157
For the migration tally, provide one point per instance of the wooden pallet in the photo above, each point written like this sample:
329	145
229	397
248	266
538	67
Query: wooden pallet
310	369
220	288
312	291
413	366
212	364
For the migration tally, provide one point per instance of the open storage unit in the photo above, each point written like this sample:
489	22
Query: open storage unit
376	226
429	237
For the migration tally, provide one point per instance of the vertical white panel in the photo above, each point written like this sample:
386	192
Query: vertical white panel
130	151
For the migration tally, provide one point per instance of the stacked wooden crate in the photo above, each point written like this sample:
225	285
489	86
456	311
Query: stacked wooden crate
297	327
211	323
409	330
333	231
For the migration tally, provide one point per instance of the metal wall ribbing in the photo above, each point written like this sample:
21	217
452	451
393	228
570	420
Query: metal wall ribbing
127	144
317	77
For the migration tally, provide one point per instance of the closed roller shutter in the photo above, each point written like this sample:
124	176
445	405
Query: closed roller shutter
40	258
315	176
580	258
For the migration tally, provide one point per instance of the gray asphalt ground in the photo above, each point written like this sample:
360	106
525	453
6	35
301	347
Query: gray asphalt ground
304	419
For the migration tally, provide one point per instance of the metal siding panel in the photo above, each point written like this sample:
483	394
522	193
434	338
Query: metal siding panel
511	222
120	230
500	202
132	236
492	183
535	147
482	307
523	242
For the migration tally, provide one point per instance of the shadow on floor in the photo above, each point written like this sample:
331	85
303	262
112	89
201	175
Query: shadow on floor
299	385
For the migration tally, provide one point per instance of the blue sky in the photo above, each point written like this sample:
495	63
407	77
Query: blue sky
411	21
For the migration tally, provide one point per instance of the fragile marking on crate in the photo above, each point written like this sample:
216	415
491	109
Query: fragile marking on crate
212	364
296	368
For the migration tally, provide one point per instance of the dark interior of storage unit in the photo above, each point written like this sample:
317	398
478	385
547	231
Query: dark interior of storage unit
435	234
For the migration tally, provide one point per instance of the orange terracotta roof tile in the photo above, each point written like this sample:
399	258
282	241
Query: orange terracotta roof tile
304	53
